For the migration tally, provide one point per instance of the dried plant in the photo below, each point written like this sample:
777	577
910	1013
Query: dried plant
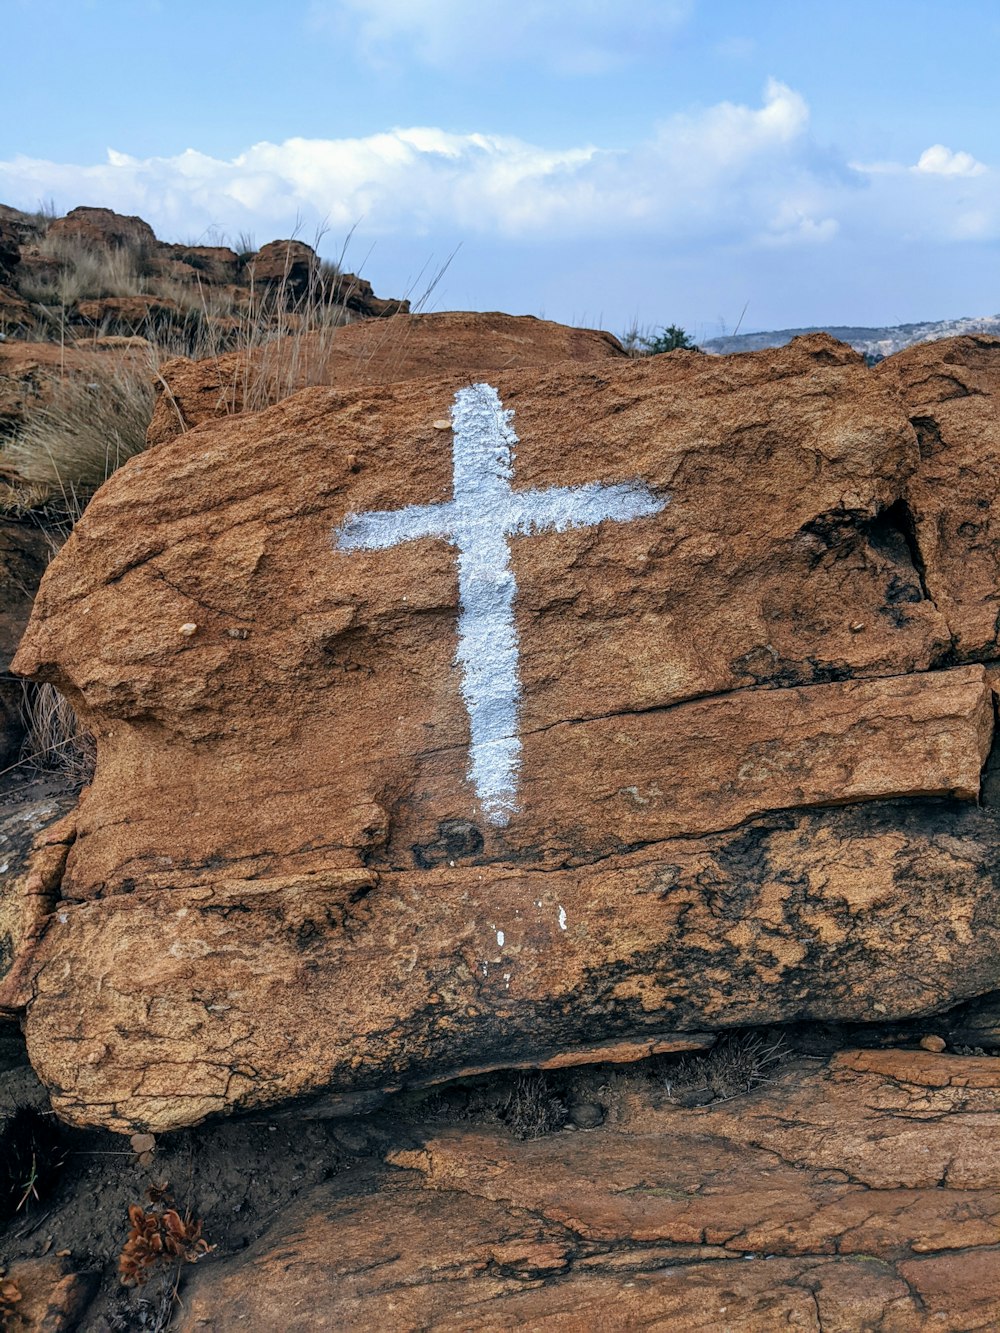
155	1241
88	428
54	740
531	1108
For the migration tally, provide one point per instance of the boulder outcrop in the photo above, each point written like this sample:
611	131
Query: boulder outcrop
714	761
855	1192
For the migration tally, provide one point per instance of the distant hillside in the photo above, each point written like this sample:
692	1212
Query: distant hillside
874	343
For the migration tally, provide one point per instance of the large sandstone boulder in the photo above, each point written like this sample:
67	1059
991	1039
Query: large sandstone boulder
852	1193
402	347
676	741
103	228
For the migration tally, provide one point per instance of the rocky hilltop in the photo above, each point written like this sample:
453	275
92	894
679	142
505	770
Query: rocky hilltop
875	344
541	865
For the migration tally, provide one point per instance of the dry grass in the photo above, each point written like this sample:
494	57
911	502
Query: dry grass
88	428
82	272
54	740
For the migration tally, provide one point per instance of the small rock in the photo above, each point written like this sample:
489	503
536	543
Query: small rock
142	1143
933	1043
189	628
586	1115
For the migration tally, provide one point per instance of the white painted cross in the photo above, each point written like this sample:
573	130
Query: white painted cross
484	513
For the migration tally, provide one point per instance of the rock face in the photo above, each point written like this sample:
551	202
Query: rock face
950	393
402	347
859	1192
102	227
368	813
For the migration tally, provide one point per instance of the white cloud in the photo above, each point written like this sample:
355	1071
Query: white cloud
730	174
685	180
940	161
566	36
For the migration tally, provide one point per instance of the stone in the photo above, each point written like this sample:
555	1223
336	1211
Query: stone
950	391
402	347
291	265
356	295
811	1203
103	228
727	805
932	1042
35	838
10	250
51	1296
128	315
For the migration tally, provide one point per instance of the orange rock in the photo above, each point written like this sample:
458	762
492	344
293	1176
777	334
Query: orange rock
949	391
771	1211
287	881
52	1297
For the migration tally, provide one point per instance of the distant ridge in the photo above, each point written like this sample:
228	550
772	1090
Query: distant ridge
873	343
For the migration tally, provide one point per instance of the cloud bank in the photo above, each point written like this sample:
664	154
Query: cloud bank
729	178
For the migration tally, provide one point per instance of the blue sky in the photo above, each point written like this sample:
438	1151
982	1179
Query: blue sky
657	161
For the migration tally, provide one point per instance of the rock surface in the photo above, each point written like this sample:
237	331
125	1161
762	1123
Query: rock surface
950	393
402	347
35	837
284	883
859	1192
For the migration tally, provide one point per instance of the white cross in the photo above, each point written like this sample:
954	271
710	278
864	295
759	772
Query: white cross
484	513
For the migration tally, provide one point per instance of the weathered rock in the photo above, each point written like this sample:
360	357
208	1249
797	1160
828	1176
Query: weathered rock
51	1296
286	882
356	294
951	392
403	347
10	250
103	228
29	372
291	265
238	994
35	837
841	1196
128	315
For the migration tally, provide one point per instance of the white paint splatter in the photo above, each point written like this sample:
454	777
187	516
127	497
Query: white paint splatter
562	918
483	514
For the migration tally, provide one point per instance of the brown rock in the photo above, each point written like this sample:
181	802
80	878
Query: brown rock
128	315
357	295
932	1042
950	391
292	265
282	849
102	227
10	250
217	265
35	838
400	348
53	1298
809	1204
